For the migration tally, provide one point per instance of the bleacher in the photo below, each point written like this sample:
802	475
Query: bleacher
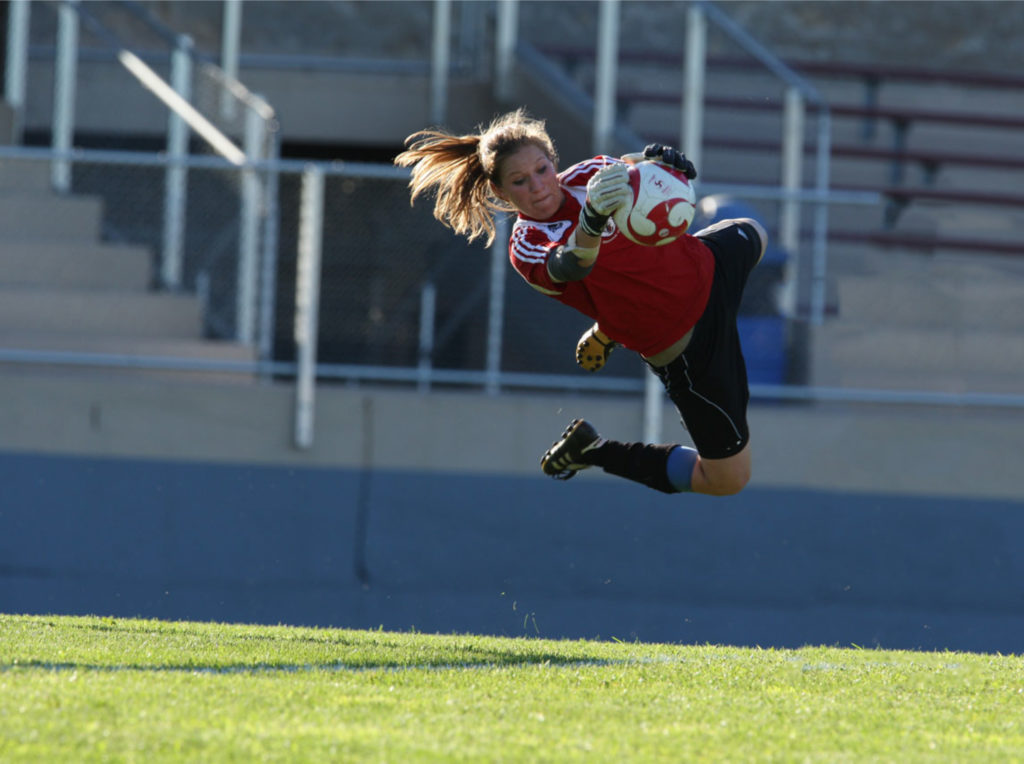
943	149
862	142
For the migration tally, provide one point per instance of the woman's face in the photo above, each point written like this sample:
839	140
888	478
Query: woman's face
529	182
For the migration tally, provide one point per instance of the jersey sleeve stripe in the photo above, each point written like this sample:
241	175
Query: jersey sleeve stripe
530	248
529	257
587	167
525	250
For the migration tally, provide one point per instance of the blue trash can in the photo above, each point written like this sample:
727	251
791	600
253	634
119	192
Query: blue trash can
763	329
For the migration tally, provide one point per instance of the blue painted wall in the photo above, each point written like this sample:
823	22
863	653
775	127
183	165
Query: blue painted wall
507	555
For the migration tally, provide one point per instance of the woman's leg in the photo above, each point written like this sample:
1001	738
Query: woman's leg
722	477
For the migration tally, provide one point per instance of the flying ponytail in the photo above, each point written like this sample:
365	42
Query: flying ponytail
462	168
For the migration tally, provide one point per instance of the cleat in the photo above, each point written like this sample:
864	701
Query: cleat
565	457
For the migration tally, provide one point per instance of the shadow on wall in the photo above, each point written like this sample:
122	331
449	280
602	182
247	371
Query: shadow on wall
508	556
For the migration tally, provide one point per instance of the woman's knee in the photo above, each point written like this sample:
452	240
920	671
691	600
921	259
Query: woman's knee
731	484
725	477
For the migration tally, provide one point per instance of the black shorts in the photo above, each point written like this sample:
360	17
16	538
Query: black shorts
708	382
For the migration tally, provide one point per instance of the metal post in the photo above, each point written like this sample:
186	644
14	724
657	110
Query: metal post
307	301
64	95
440	61
605	85
248	233
653	404
231	33
268	276
428	303
496	313
820	246
692	138
505	43
16	67
175	180
792	169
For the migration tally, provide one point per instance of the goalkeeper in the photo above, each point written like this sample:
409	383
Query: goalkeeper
674	304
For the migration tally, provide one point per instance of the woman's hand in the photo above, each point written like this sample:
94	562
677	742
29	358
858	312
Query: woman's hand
593	349
667	155
607	190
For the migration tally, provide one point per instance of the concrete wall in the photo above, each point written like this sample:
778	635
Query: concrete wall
183	499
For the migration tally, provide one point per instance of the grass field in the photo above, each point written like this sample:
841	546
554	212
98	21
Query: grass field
104	689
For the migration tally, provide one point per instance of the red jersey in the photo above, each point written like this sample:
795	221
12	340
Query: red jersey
645	298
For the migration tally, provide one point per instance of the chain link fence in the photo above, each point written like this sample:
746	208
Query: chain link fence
400	291
133	213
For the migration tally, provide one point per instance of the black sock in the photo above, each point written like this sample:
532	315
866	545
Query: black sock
641	462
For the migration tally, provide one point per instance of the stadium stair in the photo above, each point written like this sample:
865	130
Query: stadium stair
63	290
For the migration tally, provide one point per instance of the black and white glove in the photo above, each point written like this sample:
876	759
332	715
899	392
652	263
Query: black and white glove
593	349
667	155
607	190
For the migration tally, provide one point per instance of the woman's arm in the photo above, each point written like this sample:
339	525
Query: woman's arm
607	190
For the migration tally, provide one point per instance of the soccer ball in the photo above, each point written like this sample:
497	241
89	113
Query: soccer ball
662	207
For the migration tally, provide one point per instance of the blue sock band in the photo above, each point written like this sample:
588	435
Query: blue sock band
679	467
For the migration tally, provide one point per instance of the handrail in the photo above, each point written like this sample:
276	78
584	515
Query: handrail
509	380
153	82
149	159
175	43
765	57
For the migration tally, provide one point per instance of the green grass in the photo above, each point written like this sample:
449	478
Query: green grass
103	689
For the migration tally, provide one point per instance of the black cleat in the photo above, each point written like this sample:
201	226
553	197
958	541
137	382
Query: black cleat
565	457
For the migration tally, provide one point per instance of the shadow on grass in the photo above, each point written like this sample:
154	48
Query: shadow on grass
337	666
336	651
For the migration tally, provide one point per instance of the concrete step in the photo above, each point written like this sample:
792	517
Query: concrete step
100	312
24	176
6	123
941	359
66	264
956	303
137	347
955	381
985	224
48	217
901	263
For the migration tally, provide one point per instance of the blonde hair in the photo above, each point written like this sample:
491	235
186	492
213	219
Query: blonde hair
461	169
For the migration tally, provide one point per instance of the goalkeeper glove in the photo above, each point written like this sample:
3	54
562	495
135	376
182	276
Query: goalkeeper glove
607	190
667	155
593	349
